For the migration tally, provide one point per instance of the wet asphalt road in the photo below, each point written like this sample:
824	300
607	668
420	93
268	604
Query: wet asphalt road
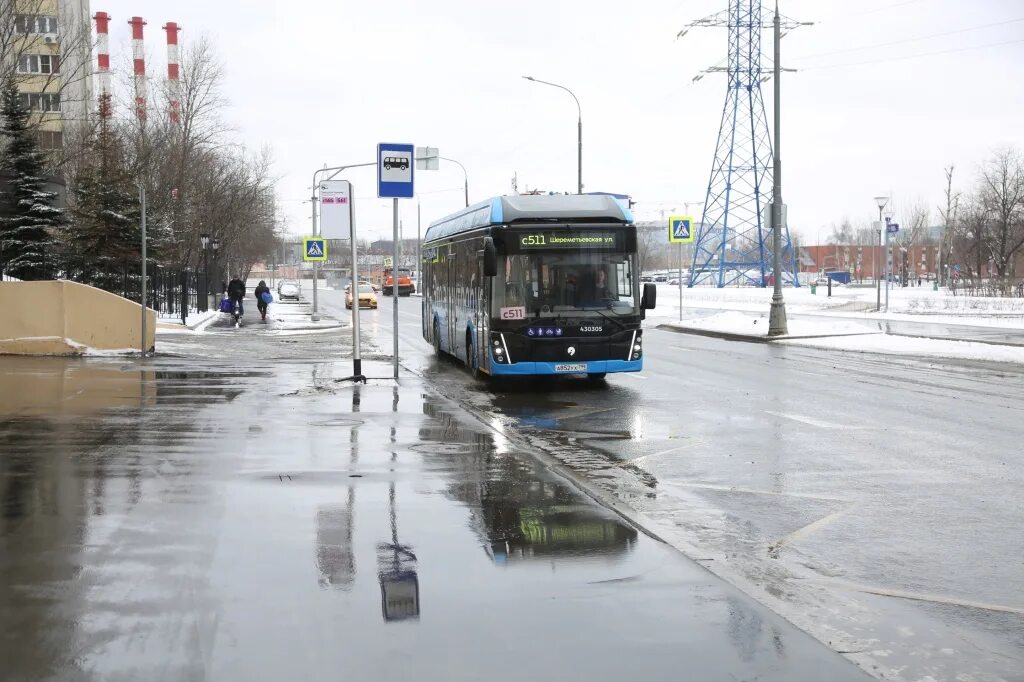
872	500
230	510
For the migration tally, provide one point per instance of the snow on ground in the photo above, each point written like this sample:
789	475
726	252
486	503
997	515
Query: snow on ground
907	304
848	335
918	347
741	323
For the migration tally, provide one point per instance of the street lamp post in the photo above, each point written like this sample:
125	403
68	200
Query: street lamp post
215	245
579	131
465	176
777	325
882	203
204	241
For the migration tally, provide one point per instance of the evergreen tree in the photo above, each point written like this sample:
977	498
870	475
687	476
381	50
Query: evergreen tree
27	234
105	238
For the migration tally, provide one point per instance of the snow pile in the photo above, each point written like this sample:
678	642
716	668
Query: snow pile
756	326
753	298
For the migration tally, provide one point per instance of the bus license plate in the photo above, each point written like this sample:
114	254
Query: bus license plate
577	367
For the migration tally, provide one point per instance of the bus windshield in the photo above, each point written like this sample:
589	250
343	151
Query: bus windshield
553	284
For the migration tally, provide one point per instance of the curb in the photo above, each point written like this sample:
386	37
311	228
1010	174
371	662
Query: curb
735	336
728	336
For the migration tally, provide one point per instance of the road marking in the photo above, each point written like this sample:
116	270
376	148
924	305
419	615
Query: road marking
634	460
806	530
680	347
933	598
636	376
810	421
749	491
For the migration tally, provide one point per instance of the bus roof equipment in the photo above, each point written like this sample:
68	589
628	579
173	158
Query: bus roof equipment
531	208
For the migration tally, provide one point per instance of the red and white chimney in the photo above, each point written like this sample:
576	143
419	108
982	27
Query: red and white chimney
173	84
139	57
103	61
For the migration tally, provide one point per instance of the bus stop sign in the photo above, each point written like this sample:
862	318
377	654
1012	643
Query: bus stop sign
395	163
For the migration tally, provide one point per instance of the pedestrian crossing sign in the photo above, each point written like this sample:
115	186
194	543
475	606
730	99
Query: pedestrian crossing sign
680	229
314	249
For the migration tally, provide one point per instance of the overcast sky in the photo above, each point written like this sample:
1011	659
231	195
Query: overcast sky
323	83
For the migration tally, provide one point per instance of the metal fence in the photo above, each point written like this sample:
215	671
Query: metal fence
989	287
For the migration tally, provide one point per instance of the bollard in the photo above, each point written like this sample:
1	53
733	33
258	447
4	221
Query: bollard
935	285
830	287
814	288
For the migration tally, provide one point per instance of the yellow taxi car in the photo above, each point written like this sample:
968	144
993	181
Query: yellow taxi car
367	296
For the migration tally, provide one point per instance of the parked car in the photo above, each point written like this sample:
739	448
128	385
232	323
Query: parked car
367	296
288	289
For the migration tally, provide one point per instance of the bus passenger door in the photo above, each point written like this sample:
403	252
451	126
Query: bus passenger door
450	302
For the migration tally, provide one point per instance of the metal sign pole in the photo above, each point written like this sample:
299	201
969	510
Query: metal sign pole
888	266
394	282
316	266
142	284
357	363
680	281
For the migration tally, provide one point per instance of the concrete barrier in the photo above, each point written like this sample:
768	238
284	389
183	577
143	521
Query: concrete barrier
67	318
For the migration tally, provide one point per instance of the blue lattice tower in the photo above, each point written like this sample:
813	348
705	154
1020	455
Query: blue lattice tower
734	244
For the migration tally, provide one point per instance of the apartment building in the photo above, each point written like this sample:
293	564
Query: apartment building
50	51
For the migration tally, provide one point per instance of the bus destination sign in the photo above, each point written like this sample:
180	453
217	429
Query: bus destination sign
564	239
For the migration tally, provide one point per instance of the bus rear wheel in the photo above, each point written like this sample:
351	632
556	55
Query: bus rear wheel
596	379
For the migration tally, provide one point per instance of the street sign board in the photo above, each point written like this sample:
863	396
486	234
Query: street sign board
427	158
394	170
892	228
335	209
680	230
387	261
766	216
314	249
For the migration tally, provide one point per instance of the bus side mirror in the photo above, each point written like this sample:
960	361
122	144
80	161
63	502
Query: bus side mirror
490	258
650	297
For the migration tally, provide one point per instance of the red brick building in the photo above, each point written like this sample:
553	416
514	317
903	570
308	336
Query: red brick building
862	262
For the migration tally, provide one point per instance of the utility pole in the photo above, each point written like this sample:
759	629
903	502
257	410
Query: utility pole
777	316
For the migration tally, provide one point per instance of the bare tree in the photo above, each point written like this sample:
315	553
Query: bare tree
914	223
843	233
971	245
949	217
1001	194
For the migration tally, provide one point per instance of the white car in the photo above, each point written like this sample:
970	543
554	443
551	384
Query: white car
289	288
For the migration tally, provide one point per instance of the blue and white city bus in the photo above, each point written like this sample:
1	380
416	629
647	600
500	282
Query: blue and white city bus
536	284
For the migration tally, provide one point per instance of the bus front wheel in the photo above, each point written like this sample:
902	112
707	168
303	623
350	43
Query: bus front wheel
473	369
